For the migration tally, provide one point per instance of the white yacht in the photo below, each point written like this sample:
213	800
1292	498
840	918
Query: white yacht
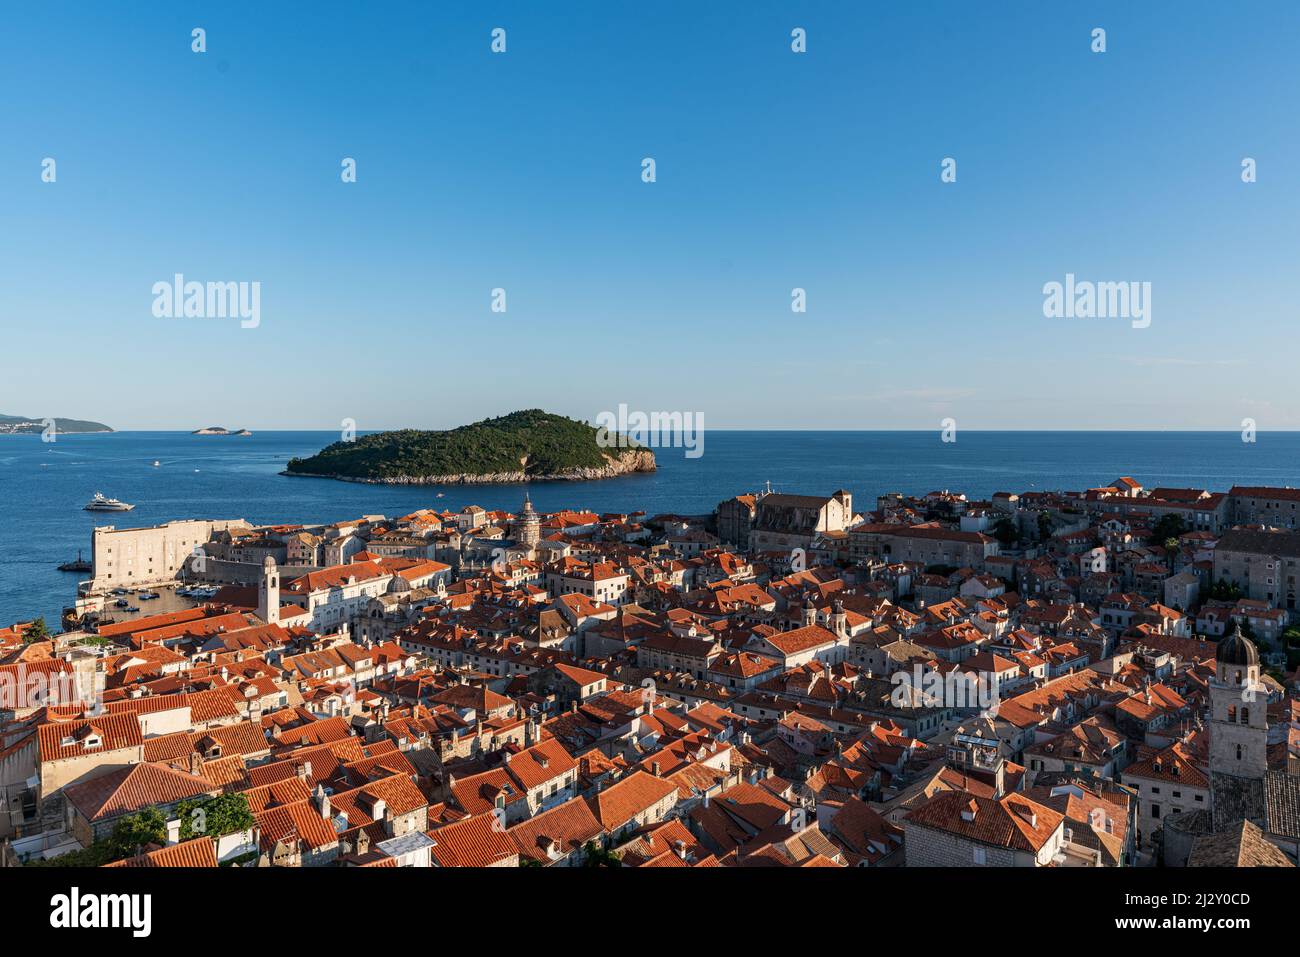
100	503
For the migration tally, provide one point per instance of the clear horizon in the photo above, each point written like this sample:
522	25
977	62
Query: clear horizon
775	170
975	431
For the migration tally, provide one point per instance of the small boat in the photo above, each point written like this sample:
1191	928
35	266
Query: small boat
132	607
102	503
121	591
149	595
121	603
156	463
80	565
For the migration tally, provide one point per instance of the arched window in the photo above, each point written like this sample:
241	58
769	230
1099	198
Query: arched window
1238	752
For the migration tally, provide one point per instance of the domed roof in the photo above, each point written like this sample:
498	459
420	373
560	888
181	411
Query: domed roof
1237	650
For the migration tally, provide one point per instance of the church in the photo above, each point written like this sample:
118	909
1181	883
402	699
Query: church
1254	812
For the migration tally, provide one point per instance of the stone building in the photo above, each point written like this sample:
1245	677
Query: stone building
527	527
1253	505
736	519
131	557
959	829
1261	563
785	522
930	544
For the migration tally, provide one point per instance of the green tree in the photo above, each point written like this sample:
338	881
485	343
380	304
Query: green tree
1044	526
215	817
596	856
1171	547
97	855
129	836
1224	590
135	831
1006	532
1169	526
36	631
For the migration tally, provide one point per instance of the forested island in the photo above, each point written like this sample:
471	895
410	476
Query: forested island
527	446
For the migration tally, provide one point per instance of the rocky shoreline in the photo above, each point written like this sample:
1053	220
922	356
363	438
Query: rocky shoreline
626	463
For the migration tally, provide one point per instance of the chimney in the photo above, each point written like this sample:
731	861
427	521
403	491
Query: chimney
304	771
323	802
654	768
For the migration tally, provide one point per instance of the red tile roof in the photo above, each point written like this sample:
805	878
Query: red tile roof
130	789
472	842
200	852
68	739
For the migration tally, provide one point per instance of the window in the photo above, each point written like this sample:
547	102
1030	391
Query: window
980	856
1155	811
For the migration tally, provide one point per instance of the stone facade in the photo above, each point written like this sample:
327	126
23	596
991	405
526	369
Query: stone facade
131	557
1262	564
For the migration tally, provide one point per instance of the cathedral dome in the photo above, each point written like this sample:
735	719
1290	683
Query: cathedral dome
1237	650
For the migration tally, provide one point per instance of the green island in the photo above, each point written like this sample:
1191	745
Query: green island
26	425
525	446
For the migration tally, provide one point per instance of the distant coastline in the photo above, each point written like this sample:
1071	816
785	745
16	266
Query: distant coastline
29	425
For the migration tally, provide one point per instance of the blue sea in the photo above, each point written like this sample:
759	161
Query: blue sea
43	486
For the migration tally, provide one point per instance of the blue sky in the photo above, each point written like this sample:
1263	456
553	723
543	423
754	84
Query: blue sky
774	170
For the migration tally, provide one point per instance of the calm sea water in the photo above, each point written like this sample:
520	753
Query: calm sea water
43	486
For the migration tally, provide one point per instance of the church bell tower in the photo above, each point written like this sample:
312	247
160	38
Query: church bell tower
268	593
1238	710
